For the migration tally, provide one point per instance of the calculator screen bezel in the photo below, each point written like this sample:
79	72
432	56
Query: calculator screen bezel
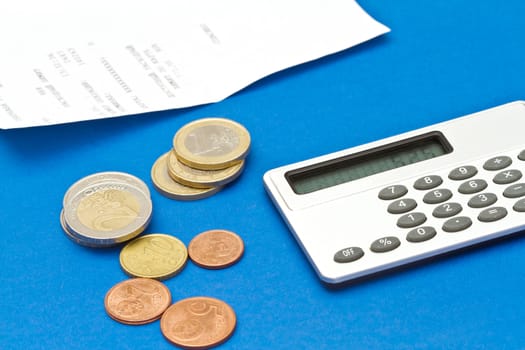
314	174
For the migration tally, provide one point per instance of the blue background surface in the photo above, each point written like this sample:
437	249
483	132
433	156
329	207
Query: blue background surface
442	59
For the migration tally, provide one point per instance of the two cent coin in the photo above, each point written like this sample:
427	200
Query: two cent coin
137	301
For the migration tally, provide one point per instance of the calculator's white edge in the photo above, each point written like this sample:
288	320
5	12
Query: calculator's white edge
279	202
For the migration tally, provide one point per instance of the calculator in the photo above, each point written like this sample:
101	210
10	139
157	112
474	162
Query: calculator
408	197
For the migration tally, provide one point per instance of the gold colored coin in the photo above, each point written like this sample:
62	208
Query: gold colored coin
157	256
202	178
173	189
198	322
137	301
211	143
216	249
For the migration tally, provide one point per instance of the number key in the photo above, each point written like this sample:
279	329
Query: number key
411	220
482	200
463	172
428	182
393	192
437	196
447	210
472	186
402	206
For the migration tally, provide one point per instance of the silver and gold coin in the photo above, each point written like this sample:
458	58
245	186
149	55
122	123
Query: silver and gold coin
107	211
170	188
107	176
197	178
159	256
211	143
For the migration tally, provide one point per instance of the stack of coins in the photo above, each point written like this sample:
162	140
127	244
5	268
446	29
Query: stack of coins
207	154
105	209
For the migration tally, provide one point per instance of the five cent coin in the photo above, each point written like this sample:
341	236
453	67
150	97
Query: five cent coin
198	322
216	249
137	301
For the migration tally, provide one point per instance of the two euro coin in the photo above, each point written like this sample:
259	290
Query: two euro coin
106	209
207	154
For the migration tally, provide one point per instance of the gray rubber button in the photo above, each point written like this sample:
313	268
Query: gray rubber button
447	210
515	191
349	254
428	182
519	205
497	163
463	172
411	220
456	224
421	234
402	206
521	156
472	186
393	192
507	176
437	196
385	244
492	214
482	200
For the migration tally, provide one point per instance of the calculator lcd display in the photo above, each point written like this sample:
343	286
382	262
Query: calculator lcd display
373	161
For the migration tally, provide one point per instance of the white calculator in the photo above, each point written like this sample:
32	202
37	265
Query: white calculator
409	197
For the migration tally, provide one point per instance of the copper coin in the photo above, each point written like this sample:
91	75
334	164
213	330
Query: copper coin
137	301
198	322
216	249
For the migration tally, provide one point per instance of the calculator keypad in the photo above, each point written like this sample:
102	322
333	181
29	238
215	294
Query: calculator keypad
442	208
